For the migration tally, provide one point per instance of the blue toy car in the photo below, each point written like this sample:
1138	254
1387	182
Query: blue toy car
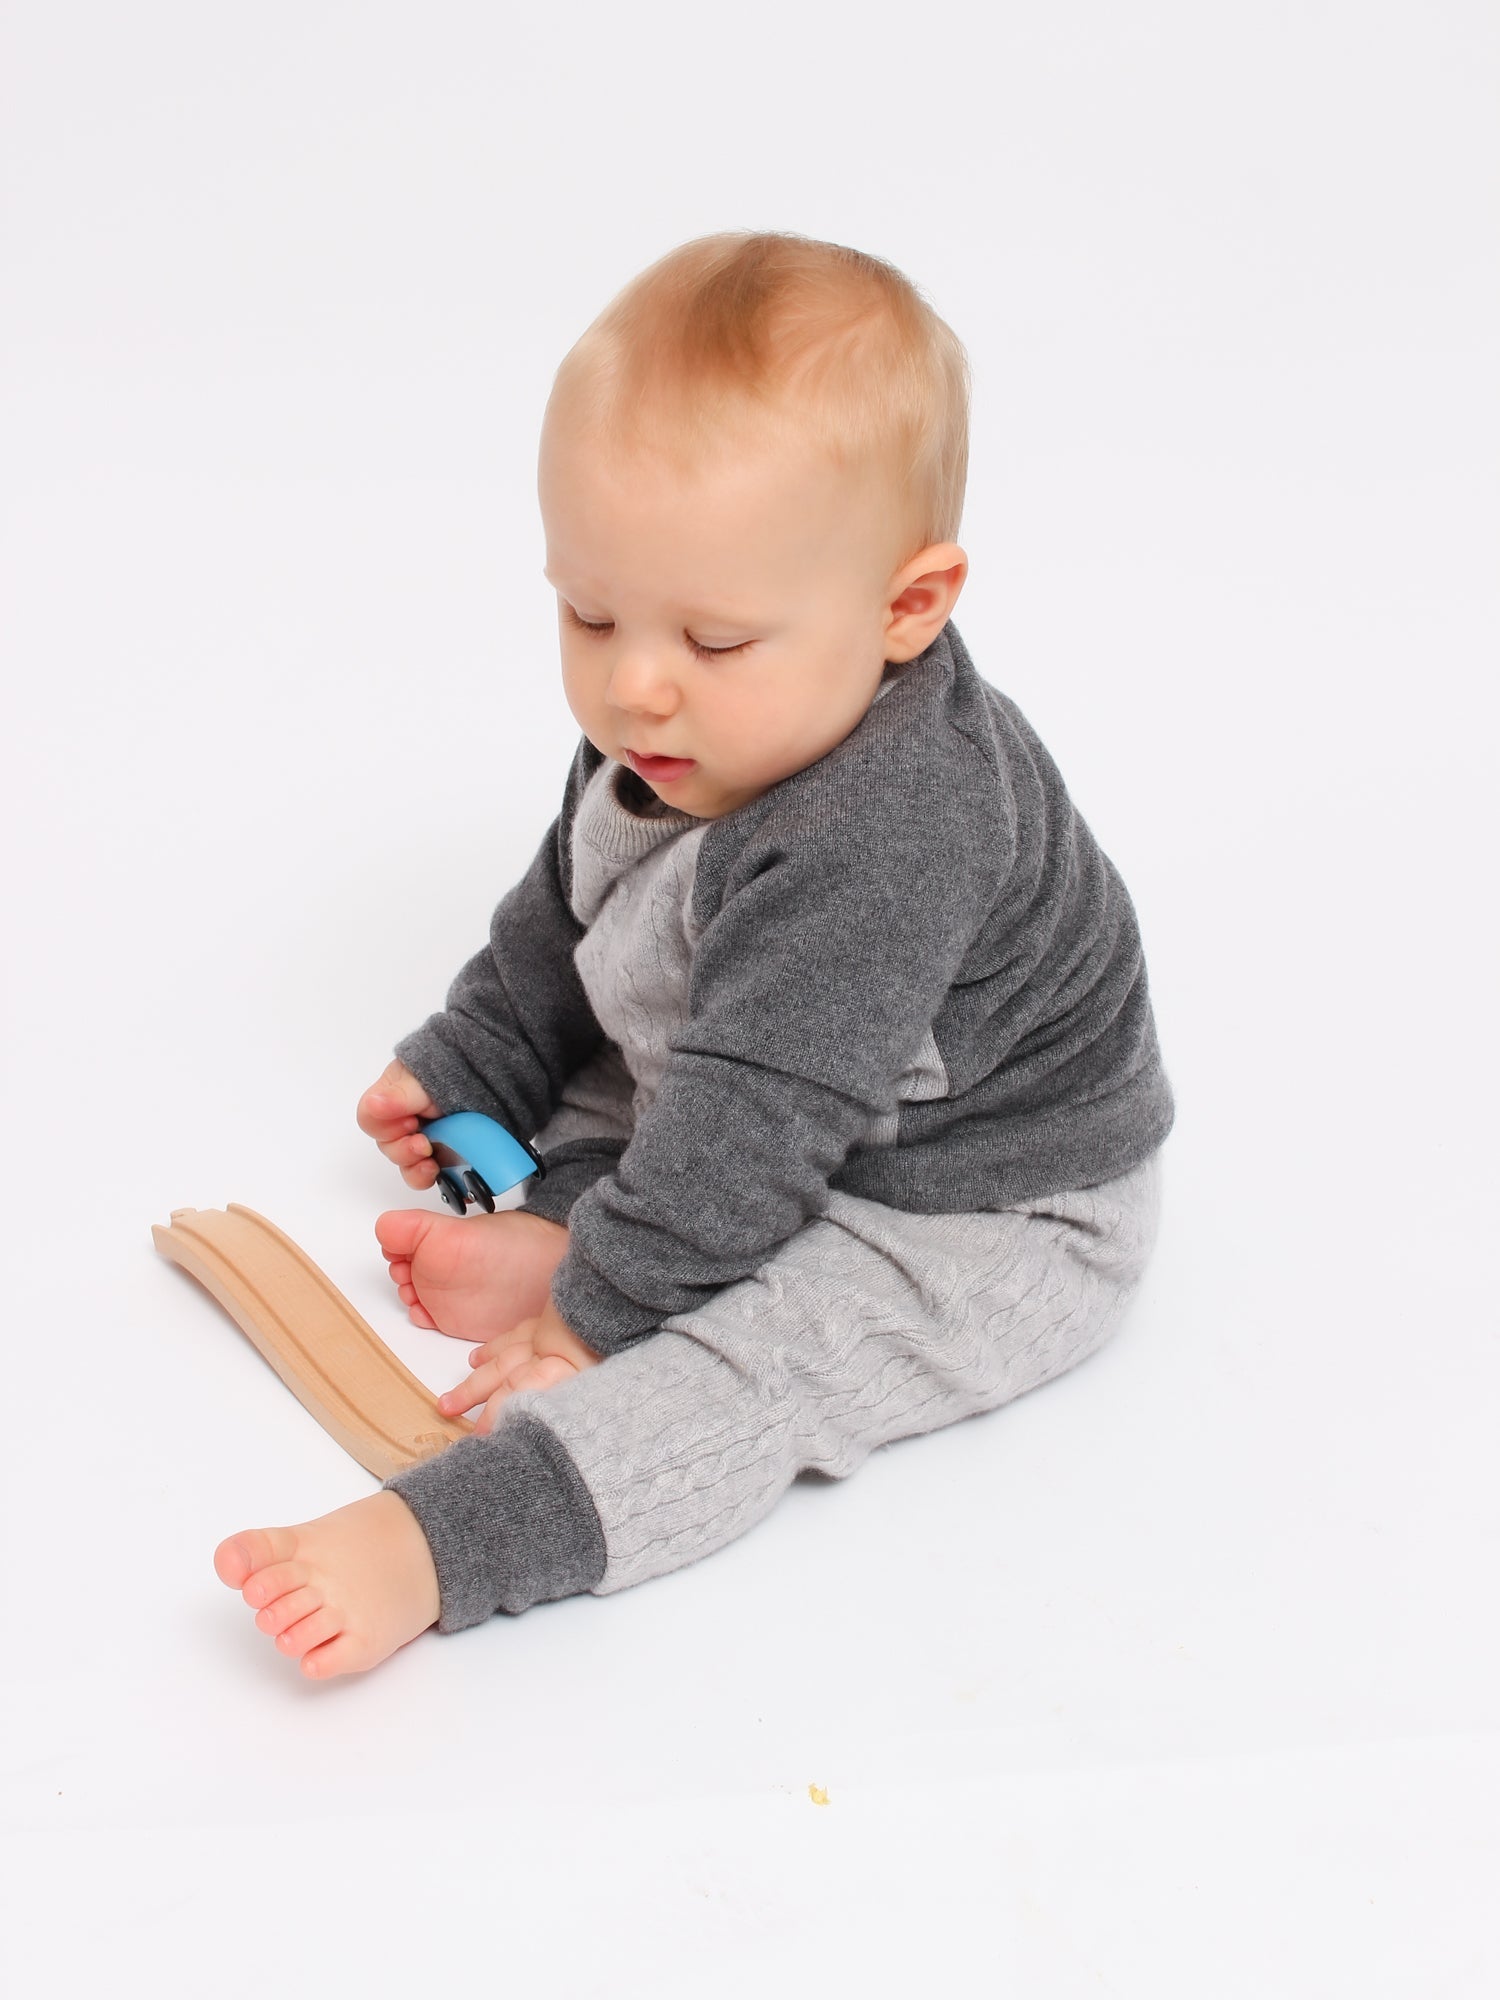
477	1159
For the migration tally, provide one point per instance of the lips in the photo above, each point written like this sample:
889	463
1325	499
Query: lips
659	770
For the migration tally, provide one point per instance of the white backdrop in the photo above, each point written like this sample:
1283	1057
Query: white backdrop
1176	1678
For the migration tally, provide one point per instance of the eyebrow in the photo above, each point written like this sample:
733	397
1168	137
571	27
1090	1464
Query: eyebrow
695	614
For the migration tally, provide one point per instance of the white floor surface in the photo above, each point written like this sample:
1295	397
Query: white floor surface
1178	1677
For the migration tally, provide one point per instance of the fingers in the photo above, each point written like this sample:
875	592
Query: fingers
498	1366
412	1153
392	1105
495	1348
540	1373
414	1157
410	1149
480	1383
383	1115
397	1081
391	1112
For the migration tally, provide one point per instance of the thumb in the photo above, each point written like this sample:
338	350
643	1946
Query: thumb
400	1088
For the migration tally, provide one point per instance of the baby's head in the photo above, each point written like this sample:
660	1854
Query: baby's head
751	477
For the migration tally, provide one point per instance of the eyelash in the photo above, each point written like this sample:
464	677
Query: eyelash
703	652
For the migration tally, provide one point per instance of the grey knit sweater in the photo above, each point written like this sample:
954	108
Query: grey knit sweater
915	976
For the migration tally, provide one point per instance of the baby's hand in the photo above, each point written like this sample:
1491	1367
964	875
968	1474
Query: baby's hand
533	1355
389	1112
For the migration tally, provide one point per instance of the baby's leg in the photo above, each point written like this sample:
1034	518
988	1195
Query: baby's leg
870	1324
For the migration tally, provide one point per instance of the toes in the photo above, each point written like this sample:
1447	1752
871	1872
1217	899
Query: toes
346	1653
231	1564
335	1656
419	1315
240	1555
265	1585
309	1632
400	1230
288	1608
400	1271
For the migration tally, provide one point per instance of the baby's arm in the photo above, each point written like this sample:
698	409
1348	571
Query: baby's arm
517	1022
842	923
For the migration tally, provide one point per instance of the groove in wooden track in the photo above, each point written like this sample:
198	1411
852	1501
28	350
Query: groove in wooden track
333	1361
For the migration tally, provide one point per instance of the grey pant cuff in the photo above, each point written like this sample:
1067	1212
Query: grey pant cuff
508	1519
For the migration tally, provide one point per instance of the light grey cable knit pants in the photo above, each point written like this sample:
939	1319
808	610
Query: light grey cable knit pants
868	1324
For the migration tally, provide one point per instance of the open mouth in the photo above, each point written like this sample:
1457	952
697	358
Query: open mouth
659	770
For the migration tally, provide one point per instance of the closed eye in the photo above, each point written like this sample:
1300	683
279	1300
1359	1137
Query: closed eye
703	652
713	652
583	624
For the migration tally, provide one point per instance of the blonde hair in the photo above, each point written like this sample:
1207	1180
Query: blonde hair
744	327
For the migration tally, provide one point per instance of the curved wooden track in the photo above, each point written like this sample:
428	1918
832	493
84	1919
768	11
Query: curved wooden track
333	1361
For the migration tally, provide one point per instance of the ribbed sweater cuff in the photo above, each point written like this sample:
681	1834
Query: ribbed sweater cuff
597	1311
572	1170
451	1083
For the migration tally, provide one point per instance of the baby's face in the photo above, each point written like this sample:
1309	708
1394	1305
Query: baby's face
732	617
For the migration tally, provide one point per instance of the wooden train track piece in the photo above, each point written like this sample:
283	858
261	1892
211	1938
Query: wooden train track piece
333	1361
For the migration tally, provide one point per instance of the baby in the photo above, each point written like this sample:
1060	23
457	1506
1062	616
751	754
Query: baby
823	1007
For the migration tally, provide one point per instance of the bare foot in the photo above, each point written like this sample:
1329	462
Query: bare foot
473	1276
341	1593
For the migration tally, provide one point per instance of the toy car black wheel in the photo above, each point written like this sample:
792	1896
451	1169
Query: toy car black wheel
479	1191
452	1192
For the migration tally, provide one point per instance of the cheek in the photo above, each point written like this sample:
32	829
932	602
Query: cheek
578	690
783	729
812	717
747	715
576	679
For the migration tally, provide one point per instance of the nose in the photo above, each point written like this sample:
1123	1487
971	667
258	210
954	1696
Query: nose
640	684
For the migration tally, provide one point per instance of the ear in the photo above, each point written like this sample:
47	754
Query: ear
922	595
